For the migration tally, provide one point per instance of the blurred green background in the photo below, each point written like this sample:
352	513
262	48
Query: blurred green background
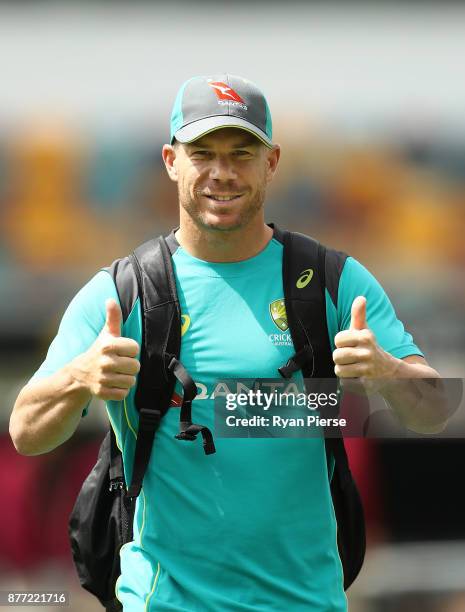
368	104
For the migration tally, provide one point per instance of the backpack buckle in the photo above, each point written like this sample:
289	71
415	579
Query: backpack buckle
296	362
189	432
183	433
288	369
116	485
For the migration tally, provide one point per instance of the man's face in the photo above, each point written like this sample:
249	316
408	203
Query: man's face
222	177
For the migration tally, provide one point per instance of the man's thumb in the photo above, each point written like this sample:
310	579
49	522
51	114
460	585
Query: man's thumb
114	318
358	313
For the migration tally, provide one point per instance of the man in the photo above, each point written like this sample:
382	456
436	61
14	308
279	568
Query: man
251	527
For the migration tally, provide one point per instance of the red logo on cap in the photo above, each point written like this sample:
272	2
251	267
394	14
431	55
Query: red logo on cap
224	92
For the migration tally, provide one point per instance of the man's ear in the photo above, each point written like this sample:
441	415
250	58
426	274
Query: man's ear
168	154
272	156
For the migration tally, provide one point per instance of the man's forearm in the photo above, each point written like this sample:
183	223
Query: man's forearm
416	395
47	412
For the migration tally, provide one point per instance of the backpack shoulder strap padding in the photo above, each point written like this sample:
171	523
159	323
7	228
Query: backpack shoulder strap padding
122	273
148	274
304	278
161	333
334	265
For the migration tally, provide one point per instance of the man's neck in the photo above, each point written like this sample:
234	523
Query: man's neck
224	246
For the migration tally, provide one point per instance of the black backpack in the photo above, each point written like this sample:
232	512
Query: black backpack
102	518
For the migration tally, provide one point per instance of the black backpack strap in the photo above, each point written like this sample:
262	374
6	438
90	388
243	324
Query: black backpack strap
160	342
148	274
335	447
306	275
160	348
116	472
171	241
304	258
127	286
309	269
188	429
161	324
122	272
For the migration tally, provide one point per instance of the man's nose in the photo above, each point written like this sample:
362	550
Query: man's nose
222	169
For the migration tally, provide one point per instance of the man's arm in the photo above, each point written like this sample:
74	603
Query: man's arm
411	387
417	395
48	411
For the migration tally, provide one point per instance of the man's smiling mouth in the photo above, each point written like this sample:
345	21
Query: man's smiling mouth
222	198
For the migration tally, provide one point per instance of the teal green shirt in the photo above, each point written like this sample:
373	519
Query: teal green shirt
251	527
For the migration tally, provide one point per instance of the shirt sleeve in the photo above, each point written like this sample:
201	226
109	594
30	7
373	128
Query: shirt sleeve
381	317
82	322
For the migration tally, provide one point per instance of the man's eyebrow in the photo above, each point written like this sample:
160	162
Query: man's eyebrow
197	144
249	142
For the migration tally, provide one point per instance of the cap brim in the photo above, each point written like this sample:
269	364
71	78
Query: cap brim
200	128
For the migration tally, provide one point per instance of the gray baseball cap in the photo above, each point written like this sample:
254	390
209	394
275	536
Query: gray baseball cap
207	103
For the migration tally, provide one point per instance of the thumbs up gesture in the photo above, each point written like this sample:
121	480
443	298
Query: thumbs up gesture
358	314
357	353
114	319
108	369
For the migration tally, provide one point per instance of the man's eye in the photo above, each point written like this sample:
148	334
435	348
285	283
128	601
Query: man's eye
200	153
242	152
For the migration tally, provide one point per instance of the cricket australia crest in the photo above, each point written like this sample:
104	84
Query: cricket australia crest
278	314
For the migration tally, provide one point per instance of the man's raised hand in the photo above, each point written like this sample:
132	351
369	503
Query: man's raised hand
357	353
108	368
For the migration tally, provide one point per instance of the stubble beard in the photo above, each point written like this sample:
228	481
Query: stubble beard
199	217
